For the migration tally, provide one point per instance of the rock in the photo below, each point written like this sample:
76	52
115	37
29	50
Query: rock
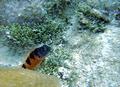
117	17
99	15
26	78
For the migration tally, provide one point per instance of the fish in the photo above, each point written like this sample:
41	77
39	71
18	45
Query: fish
36	57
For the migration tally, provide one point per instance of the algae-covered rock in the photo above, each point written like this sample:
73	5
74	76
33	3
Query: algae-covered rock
117	17
26	78
96	13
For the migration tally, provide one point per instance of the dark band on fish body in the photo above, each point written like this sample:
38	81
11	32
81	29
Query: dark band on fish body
28	61
23	66
32	55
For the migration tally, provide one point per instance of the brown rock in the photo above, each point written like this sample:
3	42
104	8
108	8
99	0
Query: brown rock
26	78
